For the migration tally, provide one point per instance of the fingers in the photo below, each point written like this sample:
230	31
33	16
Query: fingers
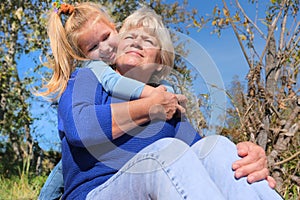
258	175
250	153
172	104
162	88
271	181
248	166
253	163
171	107
180	111
170	113
243	148
182	100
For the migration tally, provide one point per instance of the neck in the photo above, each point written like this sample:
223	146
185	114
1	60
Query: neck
136	73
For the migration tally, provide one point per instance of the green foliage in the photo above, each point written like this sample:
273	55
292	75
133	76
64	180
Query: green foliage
21	187
21	32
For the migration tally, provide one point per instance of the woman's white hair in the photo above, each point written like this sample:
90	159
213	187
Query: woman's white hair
151	22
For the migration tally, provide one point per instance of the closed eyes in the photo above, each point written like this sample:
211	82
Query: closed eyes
93	48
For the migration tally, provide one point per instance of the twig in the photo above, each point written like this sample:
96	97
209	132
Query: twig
283	27
248	19
238	38
295	33
249	108
288	159
235	106
272	28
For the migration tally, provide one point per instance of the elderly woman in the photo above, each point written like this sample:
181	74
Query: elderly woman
147	162
104	158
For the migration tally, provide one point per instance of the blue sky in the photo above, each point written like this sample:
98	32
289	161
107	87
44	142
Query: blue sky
224	51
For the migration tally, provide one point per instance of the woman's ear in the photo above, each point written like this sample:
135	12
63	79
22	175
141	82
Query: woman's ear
159	67
159	63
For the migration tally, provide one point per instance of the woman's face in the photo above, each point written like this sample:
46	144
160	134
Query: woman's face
138	54
98	41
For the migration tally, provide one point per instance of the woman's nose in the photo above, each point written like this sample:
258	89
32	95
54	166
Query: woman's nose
137	43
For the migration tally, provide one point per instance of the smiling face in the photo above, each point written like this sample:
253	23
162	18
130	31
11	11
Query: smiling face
98	40
138	54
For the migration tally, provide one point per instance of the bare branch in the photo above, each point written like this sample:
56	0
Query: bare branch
249	19
296	32
283	27
238	38
272	28
235	106
288	159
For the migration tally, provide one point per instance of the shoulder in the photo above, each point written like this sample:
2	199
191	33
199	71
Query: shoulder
82	73
93	64
81	81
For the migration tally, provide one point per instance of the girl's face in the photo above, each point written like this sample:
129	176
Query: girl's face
98	41
138	54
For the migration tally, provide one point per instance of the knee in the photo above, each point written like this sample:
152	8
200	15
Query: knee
211	144
225	142
166	145
218	140
165	150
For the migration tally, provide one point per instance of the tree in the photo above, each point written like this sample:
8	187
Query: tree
20	33
269	113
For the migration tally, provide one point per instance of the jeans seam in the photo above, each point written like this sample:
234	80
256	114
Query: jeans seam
56	186
137	160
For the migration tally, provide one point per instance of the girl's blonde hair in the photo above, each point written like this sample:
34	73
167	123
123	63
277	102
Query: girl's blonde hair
63	32
152	23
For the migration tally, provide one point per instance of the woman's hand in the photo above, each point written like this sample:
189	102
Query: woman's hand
182	100
165	104
253	164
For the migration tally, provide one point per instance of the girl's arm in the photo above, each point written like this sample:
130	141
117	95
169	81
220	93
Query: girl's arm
115	84
128	115
88	120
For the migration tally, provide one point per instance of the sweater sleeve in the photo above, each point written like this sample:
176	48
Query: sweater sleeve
115	84
86	119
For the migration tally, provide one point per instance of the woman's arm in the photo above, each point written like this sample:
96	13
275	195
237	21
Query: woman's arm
88	120
128	115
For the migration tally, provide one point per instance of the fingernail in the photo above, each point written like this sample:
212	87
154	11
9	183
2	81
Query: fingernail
238	174
250	179
235	166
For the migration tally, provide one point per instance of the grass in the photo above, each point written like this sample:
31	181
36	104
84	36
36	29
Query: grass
21	187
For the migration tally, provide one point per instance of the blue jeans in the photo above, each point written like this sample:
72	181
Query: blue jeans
54	185
170	169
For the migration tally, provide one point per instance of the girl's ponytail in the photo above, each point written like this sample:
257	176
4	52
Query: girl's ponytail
63	60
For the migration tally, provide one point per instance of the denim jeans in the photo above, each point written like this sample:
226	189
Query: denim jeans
53	187
170	169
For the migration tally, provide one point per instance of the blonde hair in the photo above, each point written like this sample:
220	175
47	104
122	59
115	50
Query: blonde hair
152	23
64	43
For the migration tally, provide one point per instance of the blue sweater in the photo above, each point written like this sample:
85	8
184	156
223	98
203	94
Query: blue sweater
89	154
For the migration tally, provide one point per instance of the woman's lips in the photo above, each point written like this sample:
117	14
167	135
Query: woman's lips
134	53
